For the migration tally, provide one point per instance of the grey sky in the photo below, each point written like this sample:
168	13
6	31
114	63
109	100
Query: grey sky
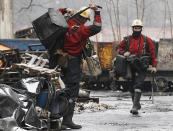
154	15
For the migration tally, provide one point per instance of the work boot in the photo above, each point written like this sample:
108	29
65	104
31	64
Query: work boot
67	119
70	125
136	103
132	95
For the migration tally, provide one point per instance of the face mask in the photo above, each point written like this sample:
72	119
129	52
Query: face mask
136	34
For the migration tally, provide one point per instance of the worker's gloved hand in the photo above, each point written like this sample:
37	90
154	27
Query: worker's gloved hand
153	70
69	11
127	53
93	6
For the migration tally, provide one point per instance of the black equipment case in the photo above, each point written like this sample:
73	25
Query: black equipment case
50	29
120	65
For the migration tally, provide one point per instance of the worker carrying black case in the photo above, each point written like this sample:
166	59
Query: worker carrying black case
50	29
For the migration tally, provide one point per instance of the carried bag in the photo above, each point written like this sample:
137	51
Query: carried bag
50	29
120	66
139	63
94	65
144	53
145	62
93	61
88	48
134	61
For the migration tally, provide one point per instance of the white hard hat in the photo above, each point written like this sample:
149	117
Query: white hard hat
137	22
86	13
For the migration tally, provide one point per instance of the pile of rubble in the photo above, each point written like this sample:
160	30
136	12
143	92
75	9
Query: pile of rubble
89	104
29	90
90	107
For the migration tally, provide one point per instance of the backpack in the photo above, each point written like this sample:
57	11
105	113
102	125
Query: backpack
120	66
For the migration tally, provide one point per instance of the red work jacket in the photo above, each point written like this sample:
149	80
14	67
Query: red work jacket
75	40
133	48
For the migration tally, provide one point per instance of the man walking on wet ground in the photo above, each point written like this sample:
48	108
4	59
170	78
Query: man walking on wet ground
142	52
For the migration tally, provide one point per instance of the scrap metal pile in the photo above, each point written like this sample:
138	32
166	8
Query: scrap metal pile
7	58
33	96
30	92
25	106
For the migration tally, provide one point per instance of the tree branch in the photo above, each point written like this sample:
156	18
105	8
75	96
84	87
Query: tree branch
30	5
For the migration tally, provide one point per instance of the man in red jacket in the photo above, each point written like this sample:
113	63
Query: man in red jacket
136	47
75	41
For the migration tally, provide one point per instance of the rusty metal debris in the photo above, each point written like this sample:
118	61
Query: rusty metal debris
91	107
26	74
23	73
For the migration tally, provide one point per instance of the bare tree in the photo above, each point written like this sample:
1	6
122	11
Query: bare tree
169	12
127	19
164	25
143	9
137	11
110	16
30	4
27	7
6	19
116	20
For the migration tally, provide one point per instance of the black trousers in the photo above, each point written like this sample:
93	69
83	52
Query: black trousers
138	77
72	76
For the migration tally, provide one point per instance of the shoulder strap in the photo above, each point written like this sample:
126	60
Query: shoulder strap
145	45
127	40
139	44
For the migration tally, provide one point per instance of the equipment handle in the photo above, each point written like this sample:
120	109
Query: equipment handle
99	7
78	13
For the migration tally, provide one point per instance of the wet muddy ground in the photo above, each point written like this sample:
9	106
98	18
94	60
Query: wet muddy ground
157	116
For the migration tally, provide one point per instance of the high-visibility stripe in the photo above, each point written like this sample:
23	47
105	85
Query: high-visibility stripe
97	24
138	90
